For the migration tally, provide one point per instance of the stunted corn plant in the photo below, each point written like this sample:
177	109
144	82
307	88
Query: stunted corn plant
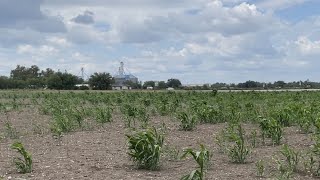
238	151
202	158
24	164
260	168
145	148
11	131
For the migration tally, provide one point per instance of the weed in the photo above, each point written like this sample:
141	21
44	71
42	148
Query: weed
23	165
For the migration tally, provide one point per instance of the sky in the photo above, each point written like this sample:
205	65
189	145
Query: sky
196	41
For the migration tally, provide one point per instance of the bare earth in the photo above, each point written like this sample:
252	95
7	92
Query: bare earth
101	153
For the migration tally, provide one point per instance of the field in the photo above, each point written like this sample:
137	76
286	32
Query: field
98	135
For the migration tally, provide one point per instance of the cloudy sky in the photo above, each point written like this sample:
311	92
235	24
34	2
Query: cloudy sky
197	41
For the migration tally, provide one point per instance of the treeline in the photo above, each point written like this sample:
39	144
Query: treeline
33	78
258	85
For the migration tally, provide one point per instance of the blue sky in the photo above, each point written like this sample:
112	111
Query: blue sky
197	41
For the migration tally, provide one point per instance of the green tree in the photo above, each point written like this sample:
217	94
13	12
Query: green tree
149	84
162	85
133	85
62	81
174	83
101	81
24	73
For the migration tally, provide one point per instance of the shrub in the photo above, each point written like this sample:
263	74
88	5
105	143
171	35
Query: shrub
145	148
24	165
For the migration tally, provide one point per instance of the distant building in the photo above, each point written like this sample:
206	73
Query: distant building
122	80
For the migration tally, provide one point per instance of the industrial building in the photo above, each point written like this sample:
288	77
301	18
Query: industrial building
122	79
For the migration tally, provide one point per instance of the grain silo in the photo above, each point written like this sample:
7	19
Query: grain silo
122	79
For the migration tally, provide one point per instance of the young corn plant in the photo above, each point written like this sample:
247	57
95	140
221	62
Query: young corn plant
187	122
130	113
24	164
238	152
260	168
202	158
10	131
292	157
145	148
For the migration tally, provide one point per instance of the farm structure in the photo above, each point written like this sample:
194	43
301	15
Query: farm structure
122	80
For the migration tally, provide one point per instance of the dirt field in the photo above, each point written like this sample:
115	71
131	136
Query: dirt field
101	152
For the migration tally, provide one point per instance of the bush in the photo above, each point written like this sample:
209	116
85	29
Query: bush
145	148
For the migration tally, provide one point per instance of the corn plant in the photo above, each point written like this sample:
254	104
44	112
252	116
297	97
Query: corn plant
103	115
292	157
145	148
61	124
143	116
202	158
187	122
260	168
130	113
271	128
238	151
11	131
23	165
253	138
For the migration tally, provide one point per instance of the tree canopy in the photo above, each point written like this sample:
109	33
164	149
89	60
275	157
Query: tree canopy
101	81
174	83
